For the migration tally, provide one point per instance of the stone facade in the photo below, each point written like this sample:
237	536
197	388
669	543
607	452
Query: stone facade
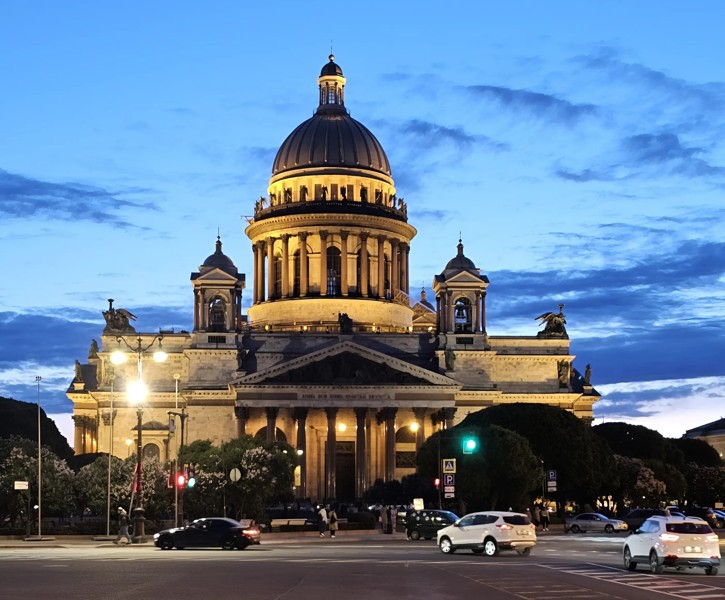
333	356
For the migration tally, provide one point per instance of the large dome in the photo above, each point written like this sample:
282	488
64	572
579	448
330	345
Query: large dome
331	138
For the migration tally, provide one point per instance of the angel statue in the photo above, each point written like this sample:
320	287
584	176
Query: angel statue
117	319
554	324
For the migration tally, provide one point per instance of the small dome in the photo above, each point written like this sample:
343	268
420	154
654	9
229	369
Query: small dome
220	260
331	68
460	262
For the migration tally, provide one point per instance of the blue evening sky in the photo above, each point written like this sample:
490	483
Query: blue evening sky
576	146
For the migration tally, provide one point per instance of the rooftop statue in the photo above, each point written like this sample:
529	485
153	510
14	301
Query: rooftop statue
117	319
555	323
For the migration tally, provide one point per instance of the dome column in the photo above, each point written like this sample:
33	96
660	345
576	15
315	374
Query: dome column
381	266
363	285
405	266
344	287
270	267
259	279
449	312
323	263
285	265
304	273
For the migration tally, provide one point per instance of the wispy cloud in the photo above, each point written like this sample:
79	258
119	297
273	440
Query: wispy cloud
25	197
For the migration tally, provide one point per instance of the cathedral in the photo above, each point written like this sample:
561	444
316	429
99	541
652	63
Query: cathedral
335	355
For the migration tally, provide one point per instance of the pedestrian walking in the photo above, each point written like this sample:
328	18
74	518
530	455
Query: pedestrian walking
384	518
537	515
323	519
332	518
545	517
123	523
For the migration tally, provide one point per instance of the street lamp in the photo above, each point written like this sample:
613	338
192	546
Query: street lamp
38	379
110	456
137	392
128	443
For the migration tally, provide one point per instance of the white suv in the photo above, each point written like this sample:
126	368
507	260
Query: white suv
488	532
683	542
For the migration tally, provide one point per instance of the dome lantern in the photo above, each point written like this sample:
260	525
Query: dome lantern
332	87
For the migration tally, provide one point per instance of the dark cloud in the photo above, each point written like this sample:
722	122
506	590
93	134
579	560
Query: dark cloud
534	103
643	154
24	197
696	98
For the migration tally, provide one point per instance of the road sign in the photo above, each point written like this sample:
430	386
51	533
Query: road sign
449	479
449	495
235	474
449	489
551	475
449	465
551	486
21	485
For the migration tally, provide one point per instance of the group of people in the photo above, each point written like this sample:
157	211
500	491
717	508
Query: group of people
327	520
540	516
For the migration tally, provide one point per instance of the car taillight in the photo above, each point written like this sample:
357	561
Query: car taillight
669	537
504	526
250	531
712	538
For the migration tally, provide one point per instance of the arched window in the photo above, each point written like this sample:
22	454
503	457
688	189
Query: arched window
462	316
277	273
296	280
261	435
334	271
151	452
217	315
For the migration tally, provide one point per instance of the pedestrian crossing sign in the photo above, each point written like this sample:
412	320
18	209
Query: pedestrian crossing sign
449	465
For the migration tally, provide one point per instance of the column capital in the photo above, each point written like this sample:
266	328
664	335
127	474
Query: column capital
323	234
241	412
344	234
300	413
303	235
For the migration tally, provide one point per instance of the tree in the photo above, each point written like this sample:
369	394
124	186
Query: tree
502	474
585	467
706	485
698	451
20	419
638	485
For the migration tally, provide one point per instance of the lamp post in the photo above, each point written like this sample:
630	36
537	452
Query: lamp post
110	456
137	392
38	379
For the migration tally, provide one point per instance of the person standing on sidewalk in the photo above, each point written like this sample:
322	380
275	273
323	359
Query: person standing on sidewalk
123	524
545	517
332	517
322	516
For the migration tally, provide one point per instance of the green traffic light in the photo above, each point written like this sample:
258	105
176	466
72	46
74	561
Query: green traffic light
191	483
469	445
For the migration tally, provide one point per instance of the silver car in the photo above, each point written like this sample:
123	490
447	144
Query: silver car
593	522
488	532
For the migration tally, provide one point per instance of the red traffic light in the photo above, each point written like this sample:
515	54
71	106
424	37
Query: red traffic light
180	480
437	483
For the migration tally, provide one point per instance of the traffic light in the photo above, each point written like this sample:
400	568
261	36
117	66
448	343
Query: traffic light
191	482
437	483
470	444
180	480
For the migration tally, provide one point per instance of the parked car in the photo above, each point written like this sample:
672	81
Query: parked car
220	532
593	522
637	516
426	523
488	532
721	517
708	514
673	542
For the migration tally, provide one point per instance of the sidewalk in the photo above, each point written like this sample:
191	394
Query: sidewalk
63	541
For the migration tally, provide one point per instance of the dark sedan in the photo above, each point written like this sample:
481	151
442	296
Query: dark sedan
213	532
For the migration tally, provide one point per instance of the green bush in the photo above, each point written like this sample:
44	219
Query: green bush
365	519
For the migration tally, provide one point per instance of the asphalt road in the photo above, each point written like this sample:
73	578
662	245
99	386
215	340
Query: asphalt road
561	567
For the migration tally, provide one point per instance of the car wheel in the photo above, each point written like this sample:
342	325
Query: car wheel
166	543
608	528
446	546
629	564
228	544
654	563
490	547
523	551
711	570
477	550
415	534
575	529
242	543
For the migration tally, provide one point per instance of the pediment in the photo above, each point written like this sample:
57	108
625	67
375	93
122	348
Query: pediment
216	275
466	277
346	363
